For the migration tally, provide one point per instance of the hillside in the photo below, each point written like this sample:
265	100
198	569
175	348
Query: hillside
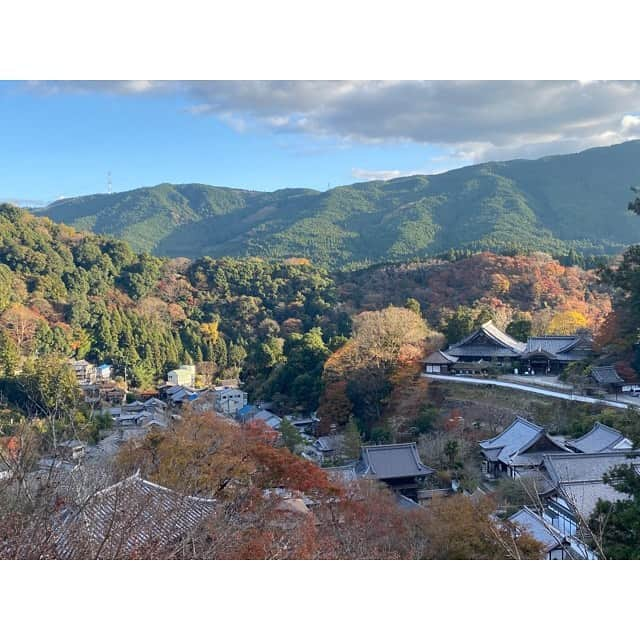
552	204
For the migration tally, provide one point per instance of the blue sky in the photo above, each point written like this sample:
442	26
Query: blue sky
61	139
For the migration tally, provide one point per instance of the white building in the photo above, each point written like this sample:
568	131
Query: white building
229	400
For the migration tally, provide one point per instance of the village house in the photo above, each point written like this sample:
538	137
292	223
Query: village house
520	447
229	400
184	375
85	371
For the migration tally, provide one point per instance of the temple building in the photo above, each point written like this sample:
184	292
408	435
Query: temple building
489	346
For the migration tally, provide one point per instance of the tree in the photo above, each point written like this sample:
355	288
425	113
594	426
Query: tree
352	442
413	305
567	323
519	329
291	437
9	354
619	522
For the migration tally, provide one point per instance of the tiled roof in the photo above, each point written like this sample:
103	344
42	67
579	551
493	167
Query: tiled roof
578	476
440	357
510	446
503	344
128	516
538	528
606	375
388	461
600	438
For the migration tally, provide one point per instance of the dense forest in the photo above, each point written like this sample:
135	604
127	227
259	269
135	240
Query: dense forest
554	204
287	328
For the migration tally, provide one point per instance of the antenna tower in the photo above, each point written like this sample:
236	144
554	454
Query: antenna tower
109	184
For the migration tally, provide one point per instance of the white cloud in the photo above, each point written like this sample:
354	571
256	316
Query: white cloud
472	120
379	174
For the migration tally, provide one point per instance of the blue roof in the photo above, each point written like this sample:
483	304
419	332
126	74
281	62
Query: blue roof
104	366
247	409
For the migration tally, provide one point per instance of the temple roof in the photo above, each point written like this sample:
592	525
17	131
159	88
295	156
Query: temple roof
606	375
501	344
538	528
128	516
388	461
511	446
600	438
440	357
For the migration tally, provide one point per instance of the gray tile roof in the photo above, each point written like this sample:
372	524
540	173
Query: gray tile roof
586	467
388	461
538	528
510	447
578	476
606	375
600	438
128	516
440	357
499	344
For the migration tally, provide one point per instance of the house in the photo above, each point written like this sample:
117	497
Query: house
185	375
103	372
439	362
576	481
487	343
601	438
270	419
607	378
397	465
550	354
229	400
128	517
85	371
555	544
328	447
520	447
72	450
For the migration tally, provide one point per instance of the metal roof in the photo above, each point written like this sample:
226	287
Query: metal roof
504	344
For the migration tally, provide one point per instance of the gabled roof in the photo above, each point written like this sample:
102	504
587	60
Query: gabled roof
538	528
388	461
494	334
578	476
600	438
606	375
440	357
510	446
129	516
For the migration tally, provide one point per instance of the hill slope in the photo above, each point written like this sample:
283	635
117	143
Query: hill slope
551	204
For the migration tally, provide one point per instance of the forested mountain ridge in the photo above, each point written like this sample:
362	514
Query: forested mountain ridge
553	204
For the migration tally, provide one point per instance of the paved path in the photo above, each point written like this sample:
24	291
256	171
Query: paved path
528	388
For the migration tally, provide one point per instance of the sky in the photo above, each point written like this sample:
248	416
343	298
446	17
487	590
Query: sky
61	139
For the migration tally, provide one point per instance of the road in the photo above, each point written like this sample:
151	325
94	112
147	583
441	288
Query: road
529	389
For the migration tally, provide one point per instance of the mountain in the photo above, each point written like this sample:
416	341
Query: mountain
553	204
